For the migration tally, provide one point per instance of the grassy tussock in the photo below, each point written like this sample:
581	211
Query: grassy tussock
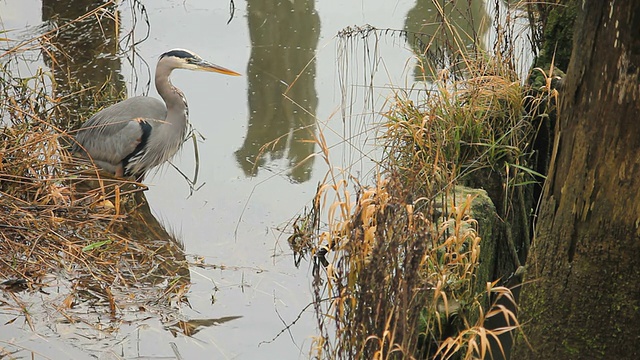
402	256
399	284
397	262
65	228
462	127
63	217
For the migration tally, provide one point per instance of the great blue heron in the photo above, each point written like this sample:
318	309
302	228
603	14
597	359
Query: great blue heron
131	137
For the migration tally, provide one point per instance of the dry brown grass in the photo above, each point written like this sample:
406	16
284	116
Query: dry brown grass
400	281
66	228
62	217
396	263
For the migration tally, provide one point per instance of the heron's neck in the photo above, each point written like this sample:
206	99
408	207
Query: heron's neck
177	108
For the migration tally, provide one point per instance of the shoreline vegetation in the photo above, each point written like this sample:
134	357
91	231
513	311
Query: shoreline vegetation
77	245
70	228
397	262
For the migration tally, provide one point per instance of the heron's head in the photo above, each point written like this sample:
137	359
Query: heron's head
185	59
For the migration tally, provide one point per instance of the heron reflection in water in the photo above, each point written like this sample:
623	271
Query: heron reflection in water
129	138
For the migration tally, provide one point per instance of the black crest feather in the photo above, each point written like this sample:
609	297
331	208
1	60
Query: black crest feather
179	54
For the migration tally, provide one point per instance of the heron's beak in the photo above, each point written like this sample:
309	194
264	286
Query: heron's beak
207	66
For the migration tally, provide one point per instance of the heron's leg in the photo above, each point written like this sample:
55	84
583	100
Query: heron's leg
119	171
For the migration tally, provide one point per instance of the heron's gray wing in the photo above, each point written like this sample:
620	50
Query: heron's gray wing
113	133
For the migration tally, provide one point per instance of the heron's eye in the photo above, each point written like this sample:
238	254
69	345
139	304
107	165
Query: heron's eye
192	60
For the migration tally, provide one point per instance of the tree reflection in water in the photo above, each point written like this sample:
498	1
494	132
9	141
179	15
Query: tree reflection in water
281	93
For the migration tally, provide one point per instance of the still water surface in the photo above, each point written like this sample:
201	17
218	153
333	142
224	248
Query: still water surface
247	195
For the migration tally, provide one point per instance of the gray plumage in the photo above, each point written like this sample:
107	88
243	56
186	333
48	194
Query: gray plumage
137	134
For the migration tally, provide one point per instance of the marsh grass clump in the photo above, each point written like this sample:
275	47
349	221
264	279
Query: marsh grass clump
74	242
400	280
402	257
462	127
399	272
62	216
402	266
